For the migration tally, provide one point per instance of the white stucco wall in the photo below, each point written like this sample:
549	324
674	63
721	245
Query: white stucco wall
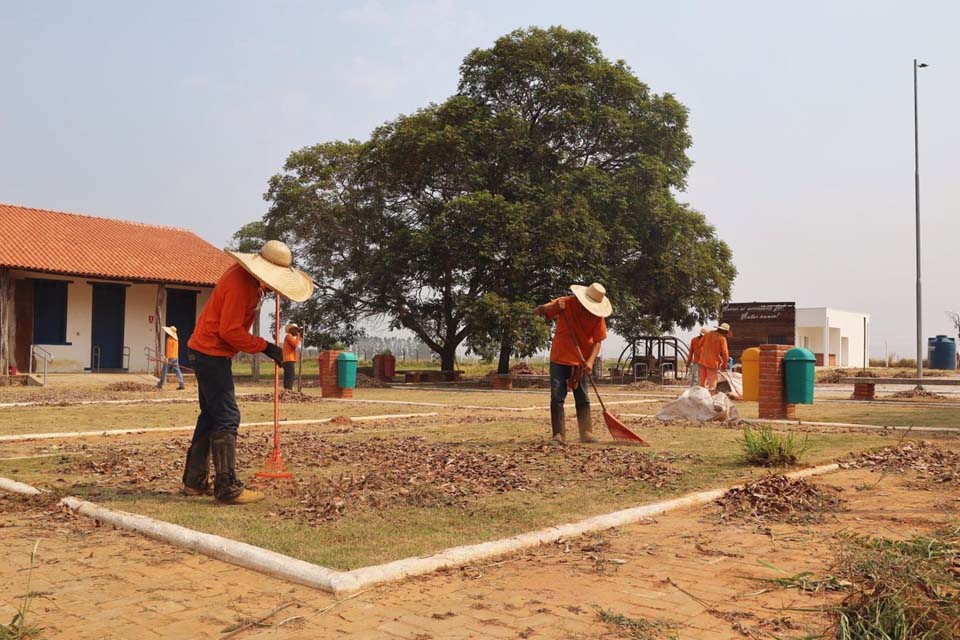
138	331
842	324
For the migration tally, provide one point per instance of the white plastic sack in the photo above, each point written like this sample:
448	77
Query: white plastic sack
696	403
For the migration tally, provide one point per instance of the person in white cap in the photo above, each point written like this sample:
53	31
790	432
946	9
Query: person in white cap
714	356
222	331
171	357
584	314
693	358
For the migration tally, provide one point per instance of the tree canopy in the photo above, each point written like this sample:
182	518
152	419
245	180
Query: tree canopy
550	165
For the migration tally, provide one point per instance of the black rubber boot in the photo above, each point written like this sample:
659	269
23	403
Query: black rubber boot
196	470
585	424
226	485
558	425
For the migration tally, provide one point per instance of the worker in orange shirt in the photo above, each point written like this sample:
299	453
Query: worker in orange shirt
171	357
291	345
693	358
714	356
223	330
582	313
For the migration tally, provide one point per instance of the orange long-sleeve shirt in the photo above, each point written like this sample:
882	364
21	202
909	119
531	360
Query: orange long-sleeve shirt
172	348
223	328
590	330
696	347
290	345
714	353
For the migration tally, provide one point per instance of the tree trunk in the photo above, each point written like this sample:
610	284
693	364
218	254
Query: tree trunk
506	347
158	334
448	357
6	317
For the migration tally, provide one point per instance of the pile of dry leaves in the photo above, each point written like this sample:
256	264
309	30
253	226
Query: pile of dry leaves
288	396
931	463
522	369
918	393
641	385
369	382
620	463
137	387
777	498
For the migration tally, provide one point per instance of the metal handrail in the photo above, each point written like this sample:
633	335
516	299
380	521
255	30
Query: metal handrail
95	358
37	351
663	371
126	354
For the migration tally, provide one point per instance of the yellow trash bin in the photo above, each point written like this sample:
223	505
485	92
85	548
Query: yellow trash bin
751	374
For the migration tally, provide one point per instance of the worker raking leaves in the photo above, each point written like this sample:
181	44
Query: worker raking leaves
714	356
222	331
585	311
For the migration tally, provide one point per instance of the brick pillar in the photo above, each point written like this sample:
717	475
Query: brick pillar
328	376
864	390
772	400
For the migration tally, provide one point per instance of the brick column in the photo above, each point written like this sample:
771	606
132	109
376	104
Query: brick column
772	401
328	376
864	390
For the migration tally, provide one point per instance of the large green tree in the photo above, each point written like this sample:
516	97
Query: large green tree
550	165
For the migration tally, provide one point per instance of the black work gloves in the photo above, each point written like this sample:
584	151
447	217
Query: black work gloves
275	353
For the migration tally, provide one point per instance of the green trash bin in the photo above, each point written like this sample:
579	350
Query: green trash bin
799	365
347	370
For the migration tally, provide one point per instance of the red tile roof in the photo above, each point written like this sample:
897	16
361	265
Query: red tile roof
73	244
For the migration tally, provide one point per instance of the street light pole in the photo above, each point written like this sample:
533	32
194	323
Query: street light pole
916	189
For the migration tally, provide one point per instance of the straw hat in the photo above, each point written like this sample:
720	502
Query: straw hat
292	327
593	298
725	328
272	266
171	331
703	331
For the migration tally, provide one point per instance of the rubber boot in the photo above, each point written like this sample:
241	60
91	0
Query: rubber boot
227	488
196	470
558	425
585	425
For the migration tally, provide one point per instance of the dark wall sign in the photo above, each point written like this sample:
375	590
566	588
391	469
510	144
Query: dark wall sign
756	323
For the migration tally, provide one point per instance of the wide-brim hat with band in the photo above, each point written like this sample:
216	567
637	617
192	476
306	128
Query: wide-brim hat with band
725	327
171	331
593	298
273	266
703	331
291	327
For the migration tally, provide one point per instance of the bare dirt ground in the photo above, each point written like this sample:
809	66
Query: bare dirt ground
690	574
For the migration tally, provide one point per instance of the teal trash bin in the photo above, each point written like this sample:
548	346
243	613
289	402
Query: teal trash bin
347	370
799	365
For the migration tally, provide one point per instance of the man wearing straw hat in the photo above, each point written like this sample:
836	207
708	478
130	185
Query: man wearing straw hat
171	357
291	344
222	331
585	311
714	355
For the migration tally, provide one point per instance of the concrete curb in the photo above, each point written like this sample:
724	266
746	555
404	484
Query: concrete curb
346	582
268	423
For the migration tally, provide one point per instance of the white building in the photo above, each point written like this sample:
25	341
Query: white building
93	292
846	334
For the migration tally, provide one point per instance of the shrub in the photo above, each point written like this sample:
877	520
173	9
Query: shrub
766	448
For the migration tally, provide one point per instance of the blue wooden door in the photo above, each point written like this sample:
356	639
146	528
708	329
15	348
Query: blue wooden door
109	302
182	314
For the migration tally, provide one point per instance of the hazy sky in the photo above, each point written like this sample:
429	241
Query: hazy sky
801	115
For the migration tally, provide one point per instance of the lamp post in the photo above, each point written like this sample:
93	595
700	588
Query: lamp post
916	189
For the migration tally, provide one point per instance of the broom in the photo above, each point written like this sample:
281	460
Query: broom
617	429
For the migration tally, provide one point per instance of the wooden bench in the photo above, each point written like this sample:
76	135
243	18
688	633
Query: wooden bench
865	388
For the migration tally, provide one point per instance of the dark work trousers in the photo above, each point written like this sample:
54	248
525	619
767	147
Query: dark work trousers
218	401
559	374
289	375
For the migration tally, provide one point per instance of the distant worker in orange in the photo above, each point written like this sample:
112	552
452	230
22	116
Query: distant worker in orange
223	330
171	357
291	346
582	313
714	355
693	358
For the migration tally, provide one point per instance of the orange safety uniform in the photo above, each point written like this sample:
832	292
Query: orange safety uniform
696	346
714	353
172	348
290	345
589	329
223	329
